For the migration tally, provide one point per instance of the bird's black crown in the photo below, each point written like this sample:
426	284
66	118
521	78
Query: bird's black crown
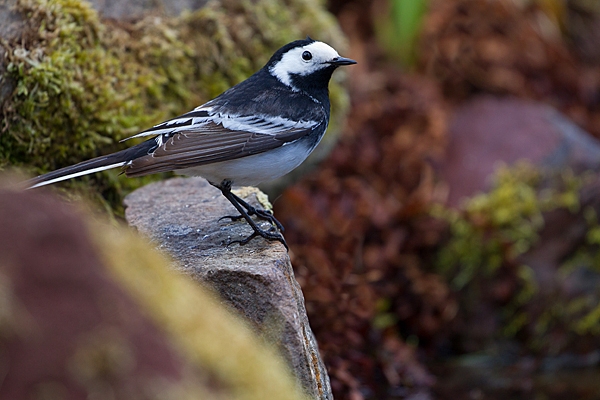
279	53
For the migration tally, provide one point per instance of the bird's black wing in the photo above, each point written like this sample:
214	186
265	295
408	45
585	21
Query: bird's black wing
216	138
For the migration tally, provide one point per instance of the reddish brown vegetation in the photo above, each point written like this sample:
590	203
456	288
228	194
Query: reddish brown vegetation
358	245
358	228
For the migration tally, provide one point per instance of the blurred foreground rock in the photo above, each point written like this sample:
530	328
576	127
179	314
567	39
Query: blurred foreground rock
90	311
182	217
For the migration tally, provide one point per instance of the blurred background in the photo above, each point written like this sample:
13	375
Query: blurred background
447	243
448	247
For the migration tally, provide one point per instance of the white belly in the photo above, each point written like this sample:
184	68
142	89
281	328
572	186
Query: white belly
255	169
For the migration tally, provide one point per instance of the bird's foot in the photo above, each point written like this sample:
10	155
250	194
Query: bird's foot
264	215
267	215
269	235
246	211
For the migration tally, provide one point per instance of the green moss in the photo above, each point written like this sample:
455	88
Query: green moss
81	88
500	225
493	229
206	334
514	316
583	312
83	84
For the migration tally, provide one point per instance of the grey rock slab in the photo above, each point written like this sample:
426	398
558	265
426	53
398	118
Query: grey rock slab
181	216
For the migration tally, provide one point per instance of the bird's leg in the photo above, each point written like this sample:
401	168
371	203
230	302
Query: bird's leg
259	212
245	211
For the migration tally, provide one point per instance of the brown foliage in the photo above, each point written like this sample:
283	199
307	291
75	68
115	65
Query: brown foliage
356	246
500	47
360	236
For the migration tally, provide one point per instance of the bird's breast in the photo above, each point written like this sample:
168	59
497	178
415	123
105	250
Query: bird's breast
255	169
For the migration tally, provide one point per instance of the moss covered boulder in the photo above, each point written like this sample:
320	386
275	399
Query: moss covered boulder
523	239
74	83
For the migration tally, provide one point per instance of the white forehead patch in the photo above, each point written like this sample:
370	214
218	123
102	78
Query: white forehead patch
293	63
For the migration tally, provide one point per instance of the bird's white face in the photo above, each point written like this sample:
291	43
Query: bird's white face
303	61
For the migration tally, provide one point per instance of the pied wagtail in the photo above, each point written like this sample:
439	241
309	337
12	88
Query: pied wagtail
256	131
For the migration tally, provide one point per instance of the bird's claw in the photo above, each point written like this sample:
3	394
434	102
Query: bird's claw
231	217
265	234
264	215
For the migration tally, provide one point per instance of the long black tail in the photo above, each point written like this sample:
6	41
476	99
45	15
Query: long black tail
102	163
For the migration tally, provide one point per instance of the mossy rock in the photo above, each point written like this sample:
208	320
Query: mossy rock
526	256
75	84
90	310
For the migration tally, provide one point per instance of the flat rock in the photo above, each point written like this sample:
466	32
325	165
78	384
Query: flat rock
182	217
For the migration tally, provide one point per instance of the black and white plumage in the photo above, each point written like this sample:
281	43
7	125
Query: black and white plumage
256	131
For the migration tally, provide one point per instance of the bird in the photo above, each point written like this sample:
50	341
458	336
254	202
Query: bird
256	131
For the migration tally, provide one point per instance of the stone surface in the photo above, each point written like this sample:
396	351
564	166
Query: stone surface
182	217
91	311
125	10
488	131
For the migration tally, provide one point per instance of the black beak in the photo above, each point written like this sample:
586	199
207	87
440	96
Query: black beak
341	61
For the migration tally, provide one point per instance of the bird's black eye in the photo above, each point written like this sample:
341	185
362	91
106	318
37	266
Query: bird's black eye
306	55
